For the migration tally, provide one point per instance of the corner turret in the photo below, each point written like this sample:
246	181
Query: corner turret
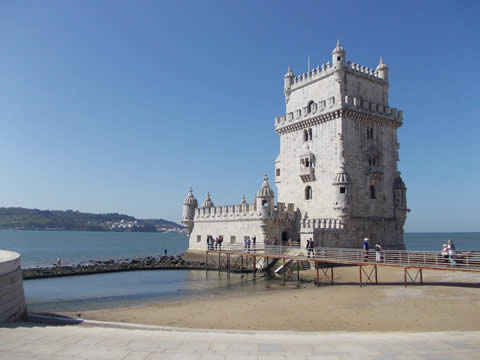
288	82
188	211
382	70
343	194
265	198
338	56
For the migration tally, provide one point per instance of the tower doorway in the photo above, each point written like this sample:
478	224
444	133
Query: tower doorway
285	238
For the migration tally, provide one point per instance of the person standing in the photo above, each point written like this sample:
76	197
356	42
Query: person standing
312	248
254	243
307	247
378	253
365	249
249	243
59	261
451	252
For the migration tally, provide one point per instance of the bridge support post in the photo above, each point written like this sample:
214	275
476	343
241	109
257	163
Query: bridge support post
283	271
241	263
376	277
228	265
318	278
298	273
331	275
421	277
254	258
206	262
219	263
360	272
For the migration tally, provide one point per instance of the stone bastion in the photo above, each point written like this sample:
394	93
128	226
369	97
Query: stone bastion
12	299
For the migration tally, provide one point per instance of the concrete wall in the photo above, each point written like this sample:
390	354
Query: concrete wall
12	300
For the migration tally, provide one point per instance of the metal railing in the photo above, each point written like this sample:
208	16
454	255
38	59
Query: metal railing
468	260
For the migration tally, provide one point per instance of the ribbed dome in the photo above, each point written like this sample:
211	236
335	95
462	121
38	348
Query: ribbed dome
381	65
265	191
342	177
208	202
190	199
338	48
244	201
289	72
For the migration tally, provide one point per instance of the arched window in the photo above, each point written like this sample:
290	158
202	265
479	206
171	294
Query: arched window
305	135
372	192
310	134
308	193
369	133
309	106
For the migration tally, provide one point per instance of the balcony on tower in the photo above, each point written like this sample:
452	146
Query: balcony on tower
307	165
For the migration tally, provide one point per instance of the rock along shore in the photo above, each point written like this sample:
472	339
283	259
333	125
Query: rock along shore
179	262
106	266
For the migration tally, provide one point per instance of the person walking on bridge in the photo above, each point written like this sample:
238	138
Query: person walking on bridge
378	253
451	252
365	249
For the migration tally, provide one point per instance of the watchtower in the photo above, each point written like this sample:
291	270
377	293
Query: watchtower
339	153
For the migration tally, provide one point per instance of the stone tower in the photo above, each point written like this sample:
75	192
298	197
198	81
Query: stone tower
339	153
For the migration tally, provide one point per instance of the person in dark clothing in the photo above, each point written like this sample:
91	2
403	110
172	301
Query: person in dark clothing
365	249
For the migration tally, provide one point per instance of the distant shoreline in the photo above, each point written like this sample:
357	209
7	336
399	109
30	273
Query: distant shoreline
96	230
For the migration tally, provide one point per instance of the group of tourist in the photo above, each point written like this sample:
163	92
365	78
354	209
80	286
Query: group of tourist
378	251
250	243
214	243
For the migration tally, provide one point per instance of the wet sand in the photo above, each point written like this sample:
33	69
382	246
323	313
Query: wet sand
446	301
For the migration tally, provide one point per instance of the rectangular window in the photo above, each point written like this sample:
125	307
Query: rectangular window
342	190
277	172
233	239
199	238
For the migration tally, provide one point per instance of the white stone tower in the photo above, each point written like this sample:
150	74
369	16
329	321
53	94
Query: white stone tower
338	154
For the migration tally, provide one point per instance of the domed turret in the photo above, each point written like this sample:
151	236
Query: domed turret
208	202
244	201
265	198
343	188
188	211
338	56
288	82
382	70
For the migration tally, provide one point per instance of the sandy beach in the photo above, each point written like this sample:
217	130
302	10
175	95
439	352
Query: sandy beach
447	301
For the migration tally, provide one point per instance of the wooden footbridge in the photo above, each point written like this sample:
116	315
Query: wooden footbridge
275	260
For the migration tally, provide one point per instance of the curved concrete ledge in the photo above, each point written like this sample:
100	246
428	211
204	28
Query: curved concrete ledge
12	299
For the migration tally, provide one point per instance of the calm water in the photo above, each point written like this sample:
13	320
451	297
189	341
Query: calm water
79	293
88	292
43	247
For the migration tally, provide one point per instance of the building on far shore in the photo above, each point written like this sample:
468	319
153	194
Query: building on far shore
336	174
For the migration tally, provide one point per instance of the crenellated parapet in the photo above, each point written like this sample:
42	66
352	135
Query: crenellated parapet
310	225
357	103
329	109
244	211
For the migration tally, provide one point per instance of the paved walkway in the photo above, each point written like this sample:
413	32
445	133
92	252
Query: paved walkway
36	341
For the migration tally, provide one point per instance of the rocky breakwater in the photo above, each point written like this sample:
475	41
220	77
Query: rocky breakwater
105	266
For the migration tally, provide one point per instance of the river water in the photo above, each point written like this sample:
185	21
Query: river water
79	293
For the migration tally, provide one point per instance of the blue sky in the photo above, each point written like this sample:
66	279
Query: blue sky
121	106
